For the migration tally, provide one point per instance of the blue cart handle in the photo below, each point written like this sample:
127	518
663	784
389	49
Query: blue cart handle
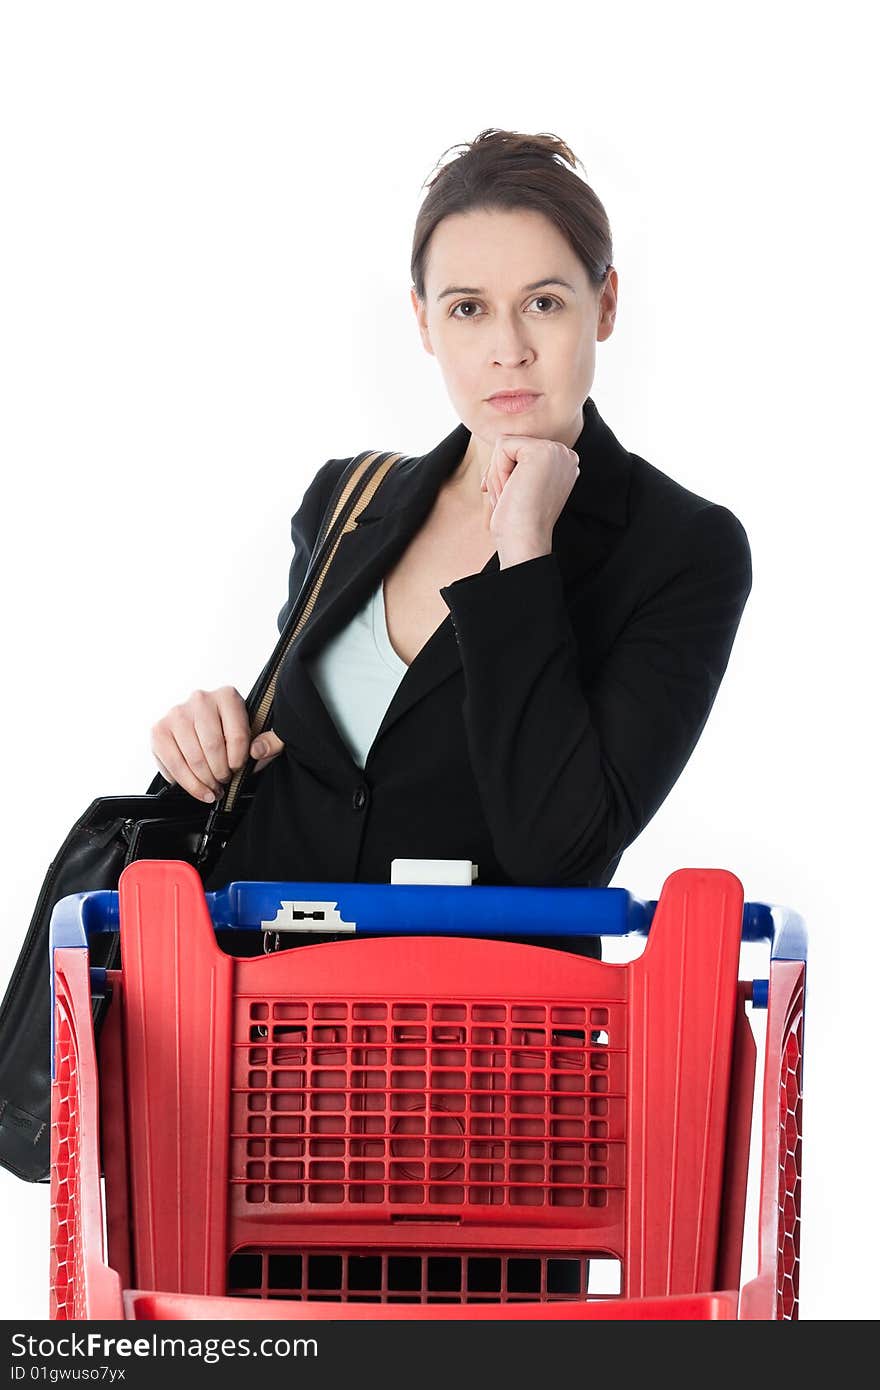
379	909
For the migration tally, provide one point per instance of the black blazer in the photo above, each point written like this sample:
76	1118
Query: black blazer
547	717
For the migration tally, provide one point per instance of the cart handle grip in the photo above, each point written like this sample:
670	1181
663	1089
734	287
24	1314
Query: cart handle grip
370	909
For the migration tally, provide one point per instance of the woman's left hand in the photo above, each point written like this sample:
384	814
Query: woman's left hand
527	483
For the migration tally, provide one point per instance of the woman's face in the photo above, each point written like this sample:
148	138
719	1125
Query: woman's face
492	330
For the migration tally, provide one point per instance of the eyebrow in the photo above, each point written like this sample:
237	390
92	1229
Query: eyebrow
536	285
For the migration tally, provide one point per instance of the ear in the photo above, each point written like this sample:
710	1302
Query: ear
607	307
421	314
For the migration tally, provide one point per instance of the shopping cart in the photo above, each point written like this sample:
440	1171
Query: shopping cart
425	1119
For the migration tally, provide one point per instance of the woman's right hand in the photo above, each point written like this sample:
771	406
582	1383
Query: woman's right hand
201	743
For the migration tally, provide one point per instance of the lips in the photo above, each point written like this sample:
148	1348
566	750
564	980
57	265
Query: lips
514	402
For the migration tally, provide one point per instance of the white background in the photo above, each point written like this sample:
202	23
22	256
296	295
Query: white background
207	213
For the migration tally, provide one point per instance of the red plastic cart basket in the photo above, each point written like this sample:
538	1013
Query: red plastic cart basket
422	1123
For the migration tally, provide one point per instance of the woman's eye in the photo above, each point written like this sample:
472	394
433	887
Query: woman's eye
469	303
548	299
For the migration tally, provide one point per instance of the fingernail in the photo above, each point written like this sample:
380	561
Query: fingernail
208	796
259	750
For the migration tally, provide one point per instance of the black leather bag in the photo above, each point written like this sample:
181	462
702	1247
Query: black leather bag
164	823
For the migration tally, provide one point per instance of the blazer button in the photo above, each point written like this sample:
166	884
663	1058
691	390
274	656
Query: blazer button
359	800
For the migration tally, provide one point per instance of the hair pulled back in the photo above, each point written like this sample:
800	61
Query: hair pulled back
506	170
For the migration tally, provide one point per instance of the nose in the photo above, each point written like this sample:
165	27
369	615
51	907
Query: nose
512	348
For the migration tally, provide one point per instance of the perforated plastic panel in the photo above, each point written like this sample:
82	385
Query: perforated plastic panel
429	1104
66	1274
790	1124
404	1276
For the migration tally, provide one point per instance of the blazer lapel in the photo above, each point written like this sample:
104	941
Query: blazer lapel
384	529
596	510
587	529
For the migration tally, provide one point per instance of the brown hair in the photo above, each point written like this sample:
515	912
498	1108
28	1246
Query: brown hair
504	169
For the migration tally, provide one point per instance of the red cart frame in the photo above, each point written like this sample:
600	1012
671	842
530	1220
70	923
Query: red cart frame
419	1126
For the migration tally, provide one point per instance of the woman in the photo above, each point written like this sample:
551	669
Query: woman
515	651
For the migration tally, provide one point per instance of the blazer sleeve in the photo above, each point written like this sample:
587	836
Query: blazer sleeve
568	776
304	527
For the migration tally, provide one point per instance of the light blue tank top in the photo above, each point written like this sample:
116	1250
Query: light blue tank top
356	674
